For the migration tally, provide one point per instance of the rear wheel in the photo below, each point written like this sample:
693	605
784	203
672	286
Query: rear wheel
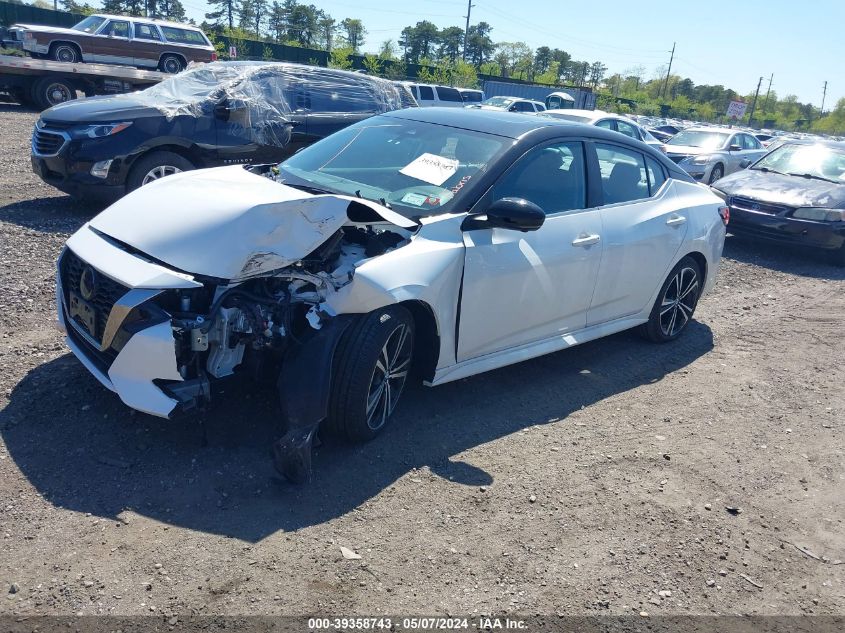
676	302
171	64
156	166
47	92
63	52
371	367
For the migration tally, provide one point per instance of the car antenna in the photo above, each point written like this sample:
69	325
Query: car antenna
358	193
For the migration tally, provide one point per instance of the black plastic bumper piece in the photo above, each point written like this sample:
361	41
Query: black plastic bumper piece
304	386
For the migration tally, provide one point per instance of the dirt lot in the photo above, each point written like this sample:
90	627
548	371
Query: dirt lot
595	480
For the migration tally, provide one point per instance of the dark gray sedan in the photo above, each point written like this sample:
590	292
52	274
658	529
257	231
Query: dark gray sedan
794	194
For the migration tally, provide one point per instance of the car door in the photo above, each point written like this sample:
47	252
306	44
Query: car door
112	43
734	153
524	287
753	148
253	120
146	44
642	230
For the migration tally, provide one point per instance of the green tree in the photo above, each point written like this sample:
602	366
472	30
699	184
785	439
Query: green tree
542	59
355	33
480	47
418	41
451	40
223	14
327	28
387	50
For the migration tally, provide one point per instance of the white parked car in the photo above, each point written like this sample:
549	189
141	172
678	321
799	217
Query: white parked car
609	121
510	104
448	242
430	95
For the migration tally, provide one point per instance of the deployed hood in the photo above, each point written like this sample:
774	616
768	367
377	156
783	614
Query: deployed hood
793	191
232	224
102	109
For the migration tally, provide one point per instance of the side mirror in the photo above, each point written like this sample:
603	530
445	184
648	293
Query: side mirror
745	162
734	148
515	214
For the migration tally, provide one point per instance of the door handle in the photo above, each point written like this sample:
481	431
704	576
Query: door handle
676	220
586	240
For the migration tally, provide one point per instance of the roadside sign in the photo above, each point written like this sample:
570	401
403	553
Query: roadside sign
736	110
233	52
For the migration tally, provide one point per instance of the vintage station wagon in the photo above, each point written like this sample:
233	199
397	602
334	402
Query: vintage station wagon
113	39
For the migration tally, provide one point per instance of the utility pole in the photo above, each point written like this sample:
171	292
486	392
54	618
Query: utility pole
766	102
668	70
824	95
754	104
470	5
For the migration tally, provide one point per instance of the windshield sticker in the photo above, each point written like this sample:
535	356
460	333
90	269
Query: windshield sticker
416	199
431	168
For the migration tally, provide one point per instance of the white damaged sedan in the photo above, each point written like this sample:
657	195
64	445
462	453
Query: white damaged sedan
433	242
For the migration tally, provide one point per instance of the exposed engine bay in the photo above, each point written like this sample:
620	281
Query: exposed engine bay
222	329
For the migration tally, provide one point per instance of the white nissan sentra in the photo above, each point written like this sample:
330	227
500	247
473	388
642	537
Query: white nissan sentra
438	243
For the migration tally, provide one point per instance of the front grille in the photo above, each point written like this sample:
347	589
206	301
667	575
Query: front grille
58	125
46	143
106	292
747	204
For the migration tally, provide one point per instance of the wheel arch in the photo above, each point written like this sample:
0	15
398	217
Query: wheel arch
186	151
55	43
426	337
172	54
701	260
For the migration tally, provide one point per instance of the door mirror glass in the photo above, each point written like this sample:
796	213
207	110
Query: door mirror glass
516	214
734	148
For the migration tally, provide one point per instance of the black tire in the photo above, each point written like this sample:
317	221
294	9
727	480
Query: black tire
65	52
677	299
47	92
383	335
171	64
837	257
717	173
168	162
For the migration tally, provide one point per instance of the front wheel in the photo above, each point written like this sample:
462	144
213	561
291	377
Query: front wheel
67	53
716	174
371	367
154	167
676	302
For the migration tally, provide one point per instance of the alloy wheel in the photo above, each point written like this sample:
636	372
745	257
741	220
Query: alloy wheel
679	302
389	377
159	172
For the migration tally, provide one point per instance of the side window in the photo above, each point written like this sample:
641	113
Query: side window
736	140
117	28
146	32
331	95
656	175
540	107
607	124
182	36
627	129
426	93
448	94
523	106
551	177
751	142
623	175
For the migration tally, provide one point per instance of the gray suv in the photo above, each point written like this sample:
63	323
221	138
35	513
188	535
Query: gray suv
708	153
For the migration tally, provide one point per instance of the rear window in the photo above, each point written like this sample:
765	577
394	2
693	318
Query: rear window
183	36
448	94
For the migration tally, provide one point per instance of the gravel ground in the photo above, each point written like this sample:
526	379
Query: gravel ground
597	480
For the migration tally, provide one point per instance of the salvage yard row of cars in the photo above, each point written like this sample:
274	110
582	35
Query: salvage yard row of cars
340	241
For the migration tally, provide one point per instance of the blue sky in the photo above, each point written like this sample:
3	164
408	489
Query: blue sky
728	43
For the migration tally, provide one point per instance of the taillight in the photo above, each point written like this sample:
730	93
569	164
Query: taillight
214	57
725	214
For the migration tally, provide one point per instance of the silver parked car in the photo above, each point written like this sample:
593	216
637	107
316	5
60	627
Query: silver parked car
708	153
609	121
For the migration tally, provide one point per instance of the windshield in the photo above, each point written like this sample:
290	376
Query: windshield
814	161
699	138
569	117
499	102
89	24
418	169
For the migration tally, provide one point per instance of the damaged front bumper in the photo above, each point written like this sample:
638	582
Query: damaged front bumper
129	350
